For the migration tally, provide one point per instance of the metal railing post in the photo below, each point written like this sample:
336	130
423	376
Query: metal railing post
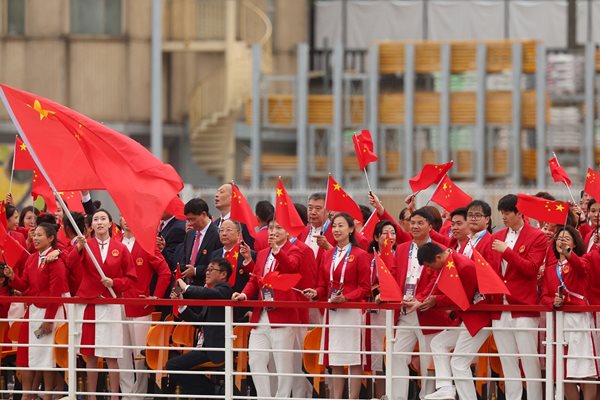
229	352
389	348
72	351
549	355
560	341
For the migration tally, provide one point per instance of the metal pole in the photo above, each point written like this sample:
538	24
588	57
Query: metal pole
374	110
229	352
156	135
559	355
540	122
255	145
479	149
549	355
337	142
409	95
588	137
51	184
445	104
302	115
517	51
389	348
72	351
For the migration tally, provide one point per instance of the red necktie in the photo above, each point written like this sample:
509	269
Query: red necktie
195	248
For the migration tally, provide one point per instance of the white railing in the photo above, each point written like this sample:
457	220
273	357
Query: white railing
231	372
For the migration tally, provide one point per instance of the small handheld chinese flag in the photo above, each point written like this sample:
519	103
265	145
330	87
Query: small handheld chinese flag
285	212
592	184
177	277
369	227
338	200
23	160
283	282
554	212
388	286
430	174
558	173
450	284
363	146
450	196
488	281
241	211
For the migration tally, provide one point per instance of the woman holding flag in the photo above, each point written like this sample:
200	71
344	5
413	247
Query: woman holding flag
119	274
343	276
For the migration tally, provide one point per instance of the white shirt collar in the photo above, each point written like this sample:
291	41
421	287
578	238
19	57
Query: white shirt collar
203	231
343	249
226	216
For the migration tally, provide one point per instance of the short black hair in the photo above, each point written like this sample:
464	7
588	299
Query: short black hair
427	252
223	264
264	210
459	211
46	218
402	212
196	206
486	209
302	212
50	230
365	211
79	221
317	196
508	203
545	195
10	210
423	213
350	220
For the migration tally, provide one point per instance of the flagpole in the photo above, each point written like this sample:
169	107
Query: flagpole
367	177
51	184
564	181
12	171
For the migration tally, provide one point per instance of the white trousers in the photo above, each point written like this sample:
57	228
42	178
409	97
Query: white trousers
405	342
267	338
134	335
302	387
519	342
458	366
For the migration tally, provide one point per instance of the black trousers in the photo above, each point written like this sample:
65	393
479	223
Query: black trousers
190	383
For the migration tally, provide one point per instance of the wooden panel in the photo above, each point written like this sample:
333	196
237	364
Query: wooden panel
498	108
281	109
500	161
391	57
45	20
499	56
528	168
529	56
320	109
391	108
598	60
427	57
427	108
464	161
463	108
139	80
428	157
392	160
357	110
529	110
463	56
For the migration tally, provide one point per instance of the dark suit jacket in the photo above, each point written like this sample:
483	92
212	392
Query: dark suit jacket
245	233
214	335
210	243
174	234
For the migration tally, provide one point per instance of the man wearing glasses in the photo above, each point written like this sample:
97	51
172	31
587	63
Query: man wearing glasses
209	336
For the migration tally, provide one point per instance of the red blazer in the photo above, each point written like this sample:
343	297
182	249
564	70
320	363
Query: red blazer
146	266
49	280
328	236
73	270
308	270
575	276
118	266
261	239
431	317
593	289
288	261
357	284
585	229
18	236
524	262
474	320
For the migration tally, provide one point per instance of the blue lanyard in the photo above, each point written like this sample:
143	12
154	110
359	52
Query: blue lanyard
343	266
562	281
325	226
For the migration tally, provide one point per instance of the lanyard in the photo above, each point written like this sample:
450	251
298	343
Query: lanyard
325	226
343	266
559	266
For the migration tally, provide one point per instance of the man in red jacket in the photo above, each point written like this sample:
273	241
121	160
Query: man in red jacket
284	257
517	253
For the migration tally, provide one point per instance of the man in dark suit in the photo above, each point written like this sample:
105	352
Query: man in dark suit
171	233
199	242
209	336
223	204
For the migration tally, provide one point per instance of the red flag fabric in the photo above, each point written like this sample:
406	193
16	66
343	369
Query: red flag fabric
241	211
283	282
450	284
430	174
387	251
3	219
10	249
488	281
285	212
592	184
369	227
363	146
175	208
116	233
449	196
177	277
41	188
388	286
338	200
140	185
555	212
558	173
23	160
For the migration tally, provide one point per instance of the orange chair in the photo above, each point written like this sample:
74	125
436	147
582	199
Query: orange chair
61	354
242	334
312	341
158	336
5	351
14	331
183	336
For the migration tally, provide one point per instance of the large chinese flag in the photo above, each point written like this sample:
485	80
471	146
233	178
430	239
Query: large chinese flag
450	196
363	146
430	174
241	211
450	284
558	173
488	281
555	212
592	184
285	212
338	200
79	153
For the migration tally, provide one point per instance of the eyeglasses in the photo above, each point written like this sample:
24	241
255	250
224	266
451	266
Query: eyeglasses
475	217
211	269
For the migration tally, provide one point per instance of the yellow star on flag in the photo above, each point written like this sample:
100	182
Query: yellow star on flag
279	192
235	255
337	186
450	264
445	186
23	147
37	106
559	207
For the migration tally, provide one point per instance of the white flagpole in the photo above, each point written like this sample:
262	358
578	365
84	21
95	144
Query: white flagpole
51	184
12	171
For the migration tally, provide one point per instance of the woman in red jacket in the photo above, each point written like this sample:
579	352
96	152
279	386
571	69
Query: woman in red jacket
119	270
565	283
343	276
40	279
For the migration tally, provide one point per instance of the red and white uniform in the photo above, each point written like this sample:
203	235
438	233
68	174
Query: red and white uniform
117	264
40	280
347	270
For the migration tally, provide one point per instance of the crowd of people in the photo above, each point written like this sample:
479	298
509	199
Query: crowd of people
539	262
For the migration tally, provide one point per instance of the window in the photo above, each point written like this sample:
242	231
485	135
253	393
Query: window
96	17
16	17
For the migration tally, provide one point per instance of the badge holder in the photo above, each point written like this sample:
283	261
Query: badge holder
267	295
409	293
335	290
478	298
